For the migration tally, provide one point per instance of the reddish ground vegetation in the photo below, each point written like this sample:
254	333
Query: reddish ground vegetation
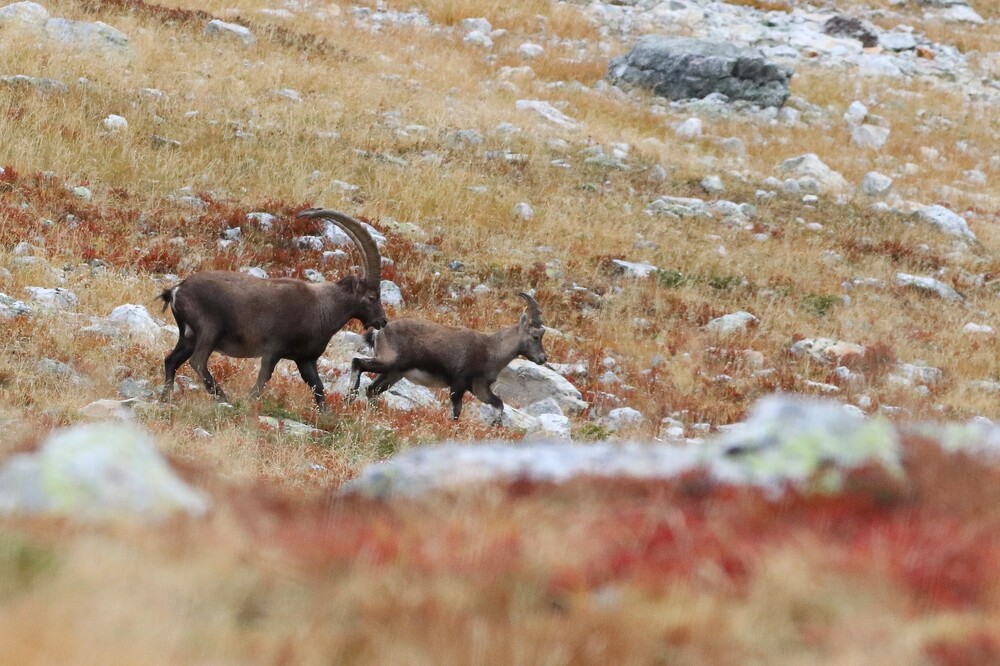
932	539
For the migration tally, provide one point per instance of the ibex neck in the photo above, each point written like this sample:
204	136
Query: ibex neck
504	345
336	307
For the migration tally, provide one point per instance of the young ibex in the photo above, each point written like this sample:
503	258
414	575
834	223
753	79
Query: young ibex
247	317
459	359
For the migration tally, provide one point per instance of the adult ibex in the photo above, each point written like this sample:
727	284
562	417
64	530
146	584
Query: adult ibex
460	359
247	317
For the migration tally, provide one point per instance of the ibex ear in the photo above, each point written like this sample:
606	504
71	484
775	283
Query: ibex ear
524	322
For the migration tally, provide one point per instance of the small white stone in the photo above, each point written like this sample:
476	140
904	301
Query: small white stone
946	221
391	295
876	184
633	269
690	129
523	211
856	114
713	185
871	137
977	328
477	38
217	28
114	123
530	51
734	322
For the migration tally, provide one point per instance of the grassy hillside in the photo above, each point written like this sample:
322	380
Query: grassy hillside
276	575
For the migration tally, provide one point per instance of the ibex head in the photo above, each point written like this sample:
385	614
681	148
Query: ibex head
531	331
367	290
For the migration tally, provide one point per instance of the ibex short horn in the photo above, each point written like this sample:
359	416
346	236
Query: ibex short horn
247	317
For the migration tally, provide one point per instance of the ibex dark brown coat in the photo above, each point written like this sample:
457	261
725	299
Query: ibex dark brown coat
247	317
459	359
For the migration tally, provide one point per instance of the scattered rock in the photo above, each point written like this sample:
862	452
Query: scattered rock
855	28
465	138
927	284
547	111
114	123
856	114
97	36
897	41
56	298
217	28
683	68
962	13
138	389
544	406
10	307
946	221
255	271
811	166
923	375
290	427
876	184
523	211
391	295
24	15
102	410
554	425
826	350
878	65
633	269
512	418
871	137
622	417
135	320
52	368
98	471
477	38
690	129
41	84
978	329
735	322
530	51
480	24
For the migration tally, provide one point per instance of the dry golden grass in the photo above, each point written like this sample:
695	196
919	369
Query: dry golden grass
219	592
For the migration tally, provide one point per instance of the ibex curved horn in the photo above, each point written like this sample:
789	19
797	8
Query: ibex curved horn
370	257
534	311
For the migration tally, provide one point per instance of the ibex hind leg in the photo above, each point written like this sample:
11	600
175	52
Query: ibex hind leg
199	359
383	383
487	396
174	360
362	364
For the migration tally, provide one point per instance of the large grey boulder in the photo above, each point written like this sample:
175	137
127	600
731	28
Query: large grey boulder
523	383
91	36
96	471
787	441
946	221
686	68
811	166
24	15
